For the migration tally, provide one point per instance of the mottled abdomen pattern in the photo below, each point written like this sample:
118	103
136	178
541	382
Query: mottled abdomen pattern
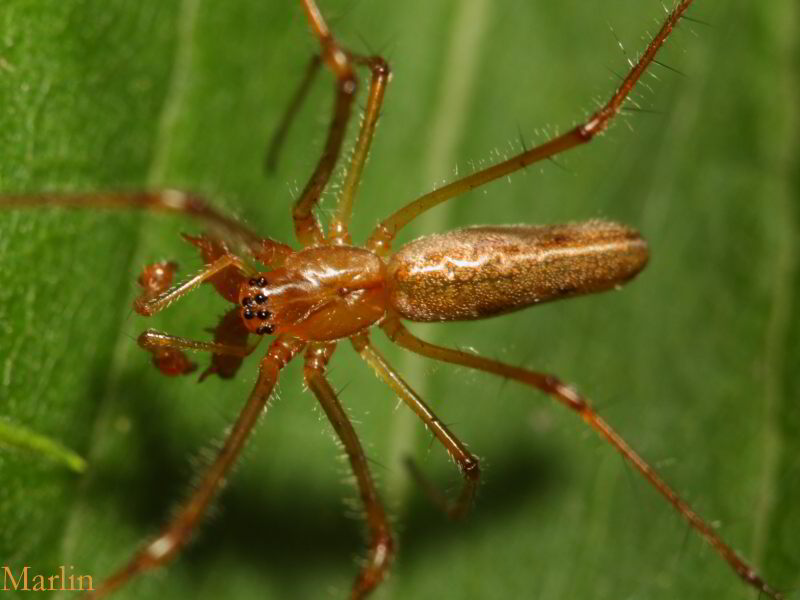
484	271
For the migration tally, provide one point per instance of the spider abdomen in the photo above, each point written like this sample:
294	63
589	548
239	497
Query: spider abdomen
484	271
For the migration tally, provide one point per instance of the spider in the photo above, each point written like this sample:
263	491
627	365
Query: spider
262	312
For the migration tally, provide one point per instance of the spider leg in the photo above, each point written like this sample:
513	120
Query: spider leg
466	461
381	238
306	227
147	305
177	533
278	138
380	79
169	201
168	356
567	396
381	545
152	340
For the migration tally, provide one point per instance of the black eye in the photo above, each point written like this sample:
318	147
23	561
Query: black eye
253	282
260	298
247	301
263	314
262	281
248	314
265	329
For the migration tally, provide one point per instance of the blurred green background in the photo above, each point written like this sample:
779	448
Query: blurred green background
692	361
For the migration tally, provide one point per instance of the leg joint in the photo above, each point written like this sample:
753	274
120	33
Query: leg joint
471	469
392	328
383	548
160	550
317	357
348	82
380	67
339	62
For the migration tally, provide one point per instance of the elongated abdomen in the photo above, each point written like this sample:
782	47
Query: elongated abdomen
484	271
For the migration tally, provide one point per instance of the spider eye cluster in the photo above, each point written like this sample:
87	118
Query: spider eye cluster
253	306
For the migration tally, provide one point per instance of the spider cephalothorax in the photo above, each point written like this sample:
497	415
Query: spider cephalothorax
319	294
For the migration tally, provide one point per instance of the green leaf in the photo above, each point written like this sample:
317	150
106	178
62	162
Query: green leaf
15	436
692	362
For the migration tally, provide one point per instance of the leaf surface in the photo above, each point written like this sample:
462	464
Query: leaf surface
692	362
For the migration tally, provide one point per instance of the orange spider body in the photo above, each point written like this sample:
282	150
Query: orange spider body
480	272
324	293
321	293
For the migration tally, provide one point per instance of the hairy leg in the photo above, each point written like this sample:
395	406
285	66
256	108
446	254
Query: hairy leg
152	340
381	547
380	79
168	201
466	461
168	356
146	305
573	400
177	533
381	238
307	229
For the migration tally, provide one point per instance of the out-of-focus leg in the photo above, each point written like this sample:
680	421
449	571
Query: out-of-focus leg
177	533
381	547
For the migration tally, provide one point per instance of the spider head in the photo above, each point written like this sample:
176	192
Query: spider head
319	294
279	301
